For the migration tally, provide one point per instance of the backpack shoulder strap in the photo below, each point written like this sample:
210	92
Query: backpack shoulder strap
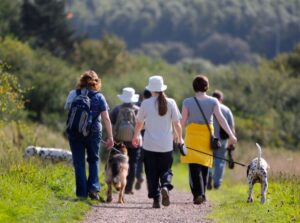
92	94
78	92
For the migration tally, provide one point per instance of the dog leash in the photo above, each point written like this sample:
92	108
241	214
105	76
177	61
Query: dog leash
113	148
241	164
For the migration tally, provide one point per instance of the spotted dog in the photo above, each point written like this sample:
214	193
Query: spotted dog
257	173
116	171
51	154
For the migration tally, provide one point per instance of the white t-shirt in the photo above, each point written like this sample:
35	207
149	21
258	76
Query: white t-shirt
158	135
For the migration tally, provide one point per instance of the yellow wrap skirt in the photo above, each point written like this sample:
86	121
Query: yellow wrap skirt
198	138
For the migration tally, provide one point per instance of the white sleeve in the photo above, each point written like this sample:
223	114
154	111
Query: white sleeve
175	113
141	115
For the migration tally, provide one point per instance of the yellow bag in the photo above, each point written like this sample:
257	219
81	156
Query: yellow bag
198	138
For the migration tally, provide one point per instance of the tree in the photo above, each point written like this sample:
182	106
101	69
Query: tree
105	56
11	94
221	49
46	25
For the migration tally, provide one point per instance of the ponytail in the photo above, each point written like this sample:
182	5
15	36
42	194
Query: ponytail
162	104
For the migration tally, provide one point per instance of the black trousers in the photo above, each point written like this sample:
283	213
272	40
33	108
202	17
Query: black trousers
198	175
158	171
133	159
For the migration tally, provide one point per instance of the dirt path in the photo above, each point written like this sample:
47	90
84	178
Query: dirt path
138	208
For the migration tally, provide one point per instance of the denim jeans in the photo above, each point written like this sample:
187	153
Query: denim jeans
89	145
217	172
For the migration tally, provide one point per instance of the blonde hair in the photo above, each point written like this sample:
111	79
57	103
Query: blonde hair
90	80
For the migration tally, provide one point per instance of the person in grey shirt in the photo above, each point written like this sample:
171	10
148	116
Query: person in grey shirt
217	172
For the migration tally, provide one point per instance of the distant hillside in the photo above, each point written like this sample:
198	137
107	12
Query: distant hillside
220	30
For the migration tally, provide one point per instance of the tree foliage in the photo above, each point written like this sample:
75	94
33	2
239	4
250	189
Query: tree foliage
48	79
11	95
9	17
45	24
260	27
106	56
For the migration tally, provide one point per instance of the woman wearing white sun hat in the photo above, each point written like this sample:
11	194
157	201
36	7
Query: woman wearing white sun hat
160	115
123	119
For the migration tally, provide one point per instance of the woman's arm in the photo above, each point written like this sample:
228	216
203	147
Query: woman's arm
184	116
137	130
106	120
178	130
222	121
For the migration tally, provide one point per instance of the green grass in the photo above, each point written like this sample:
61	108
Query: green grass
282	205
180	176
40	193
229	202
33	191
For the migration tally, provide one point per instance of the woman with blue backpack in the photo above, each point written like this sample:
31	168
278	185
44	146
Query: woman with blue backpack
87	108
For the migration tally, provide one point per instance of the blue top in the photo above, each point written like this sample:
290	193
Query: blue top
98	105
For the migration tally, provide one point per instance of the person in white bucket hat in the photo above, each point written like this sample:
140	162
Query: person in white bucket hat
128	95
123	119
156	84
160	117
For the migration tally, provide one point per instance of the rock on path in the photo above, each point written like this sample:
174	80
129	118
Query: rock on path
138	208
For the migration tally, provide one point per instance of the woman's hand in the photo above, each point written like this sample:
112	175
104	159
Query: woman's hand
135	141
109	142
232	140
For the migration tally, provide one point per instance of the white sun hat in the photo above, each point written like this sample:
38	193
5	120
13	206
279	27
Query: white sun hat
128	95
156	84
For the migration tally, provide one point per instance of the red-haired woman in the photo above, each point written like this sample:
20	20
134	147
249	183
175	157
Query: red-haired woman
90	84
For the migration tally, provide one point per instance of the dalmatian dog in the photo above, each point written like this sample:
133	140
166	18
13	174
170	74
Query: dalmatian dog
257	173
52	154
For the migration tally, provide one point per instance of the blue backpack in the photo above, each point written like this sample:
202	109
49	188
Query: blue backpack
80	115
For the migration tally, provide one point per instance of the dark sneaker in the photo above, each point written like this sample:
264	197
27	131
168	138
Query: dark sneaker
216	187
129	192
94	196
138	183
156	203
199	200
165	196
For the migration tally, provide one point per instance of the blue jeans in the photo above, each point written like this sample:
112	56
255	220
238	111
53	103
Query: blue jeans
217	173
91	146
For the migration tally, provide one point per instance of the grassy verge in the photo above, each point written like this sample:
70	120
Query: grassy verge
283	204
229	202
33	191
40	193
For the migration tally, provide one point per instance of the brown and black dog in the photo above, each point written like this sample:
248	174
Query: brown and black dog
116	171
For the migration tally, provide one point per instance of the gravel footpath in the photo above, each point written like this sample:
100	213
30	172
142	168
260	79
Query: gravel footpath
138	208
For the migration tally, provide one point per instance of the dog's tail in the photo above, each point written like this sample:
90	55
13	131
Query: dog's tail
259	155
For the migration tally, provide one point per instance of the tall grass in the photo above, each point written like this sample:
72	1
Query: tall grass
31	190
